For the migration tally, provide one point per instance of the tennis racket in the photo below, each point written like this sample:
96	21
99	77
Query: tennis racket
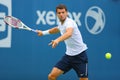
16	23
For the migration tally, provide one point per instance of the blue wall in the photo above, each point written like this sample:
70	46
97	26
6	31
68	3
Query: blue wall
25	56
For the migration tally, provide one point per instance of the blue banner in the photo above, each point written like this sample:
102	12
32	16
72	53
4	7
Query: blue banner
26	56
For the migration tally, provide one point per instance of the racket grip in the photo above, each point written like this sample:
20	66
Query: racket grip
34	30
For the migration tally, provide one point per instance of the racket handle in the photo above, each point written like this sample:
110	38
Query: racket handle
34	30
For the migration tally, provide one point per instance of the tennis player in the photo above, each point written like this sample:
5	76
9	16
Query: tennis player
75	56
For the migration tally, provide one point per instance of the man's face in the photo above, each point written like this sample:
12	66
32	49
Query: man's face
62	14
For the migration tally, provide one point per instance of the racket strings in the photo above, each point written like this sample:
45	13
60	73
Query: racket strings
14	22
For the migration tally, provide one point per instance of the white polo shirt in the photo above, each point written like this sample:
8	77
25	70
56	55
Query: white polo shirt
74	44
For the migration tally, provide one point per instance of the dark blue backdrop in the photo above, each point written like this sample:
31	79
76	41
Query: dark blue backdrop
25	56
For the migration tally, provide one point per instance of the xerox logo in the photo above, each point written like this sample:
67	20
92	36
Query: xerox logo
49	17
95	20
5	32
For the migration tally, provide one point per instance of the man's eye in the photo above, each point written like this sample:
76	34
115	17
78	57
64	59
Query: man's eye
59	13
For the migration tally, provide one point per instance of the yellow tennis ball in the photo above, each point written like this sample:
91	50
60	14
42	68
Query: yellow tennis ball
108	55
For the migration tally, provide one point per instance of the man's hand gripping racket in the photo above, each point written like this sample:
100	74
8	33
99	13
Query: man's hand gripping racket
16	23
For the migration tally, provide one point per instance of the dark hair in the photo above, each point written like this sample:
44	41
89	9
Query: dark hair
61	6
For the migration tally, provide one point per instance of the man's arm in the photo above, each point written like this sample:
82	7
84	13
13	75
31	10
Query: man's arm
65	36
54	30
50	31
